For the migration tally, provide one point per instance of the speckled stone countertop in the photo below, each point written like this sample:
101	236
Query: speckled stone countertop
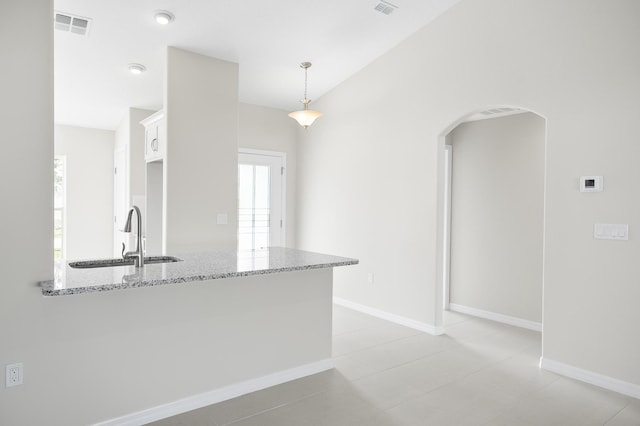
193	267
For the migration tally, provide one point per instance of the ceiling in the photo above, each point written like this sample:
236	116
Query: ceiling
268	39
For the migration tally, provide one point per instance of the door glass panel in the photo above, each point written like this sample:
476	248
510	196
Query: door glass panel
253	206
261	209
261	200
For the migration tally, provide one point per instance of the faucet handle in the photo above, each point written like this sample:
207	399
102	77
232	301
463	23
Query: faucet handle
123	248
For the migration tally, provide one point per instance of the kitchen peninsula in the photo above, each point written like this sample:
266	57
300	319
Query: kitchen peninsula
213	326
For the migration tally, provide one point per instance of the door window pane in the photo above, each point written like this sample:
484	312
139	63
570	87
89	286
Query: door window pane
253	206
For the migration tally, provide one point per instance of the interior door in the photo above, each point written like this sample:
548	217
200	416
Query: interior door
261	177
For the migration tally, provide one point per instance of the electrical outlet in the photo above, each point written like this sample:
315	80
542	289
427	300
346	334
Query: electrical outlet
370	277
14	375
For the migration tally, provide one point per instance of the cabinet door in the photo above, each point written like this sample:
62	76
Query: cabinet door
161	135
155	140
152	143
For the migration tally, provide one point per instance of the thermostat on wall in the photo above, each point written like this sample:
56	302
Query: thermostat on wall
591	184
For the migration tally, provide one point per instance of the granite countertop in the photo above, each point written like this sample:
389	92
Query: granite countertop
193	267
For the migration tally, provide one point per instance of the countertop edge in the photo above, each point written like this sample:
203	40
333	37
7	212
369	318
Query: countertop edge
47	292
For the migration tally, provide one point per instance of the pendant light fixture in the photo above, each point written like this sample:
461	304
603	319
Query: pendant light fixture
305	117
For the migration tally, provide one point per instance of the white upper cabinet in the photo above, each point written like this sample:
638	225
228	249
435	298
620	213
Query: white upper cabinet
155	142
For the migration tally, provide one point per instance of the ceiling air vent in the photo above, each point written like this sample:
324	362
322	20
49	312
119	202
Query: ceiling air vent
71	24
385	7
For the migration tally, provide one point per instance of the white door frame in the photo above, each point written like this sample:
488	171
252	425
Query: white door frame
118	235
283	189
446	253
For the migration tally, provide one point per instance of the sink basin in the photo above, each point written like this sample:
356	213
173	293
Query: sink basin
104	263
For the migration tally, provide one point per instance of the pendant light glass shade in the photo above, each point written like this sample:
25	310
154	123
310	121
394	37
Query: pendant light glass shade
305	117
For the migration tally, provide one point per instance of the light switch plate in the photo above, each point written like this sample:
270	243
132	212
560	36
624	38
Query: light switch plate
611	231
223	219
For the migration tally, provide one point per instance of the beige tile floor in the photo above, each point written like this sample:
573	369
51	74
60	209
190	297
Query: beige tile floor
479	373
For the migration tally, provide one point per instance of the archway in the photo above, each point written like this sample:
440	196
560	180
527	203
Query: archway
495	252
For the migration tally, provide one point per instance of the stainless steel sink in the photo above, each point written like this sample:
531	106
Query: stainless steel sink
104	263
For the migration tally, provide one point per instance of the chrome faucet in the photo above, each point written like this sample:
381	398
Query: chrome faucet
138	255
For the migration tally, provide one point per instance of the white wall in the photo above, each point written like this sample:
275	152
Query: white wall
272	130
497	210
26	176
201	164
122	133
370	168
89	186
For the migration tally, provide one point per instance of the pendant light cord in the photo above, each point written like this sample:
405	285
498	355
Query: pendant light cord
306	103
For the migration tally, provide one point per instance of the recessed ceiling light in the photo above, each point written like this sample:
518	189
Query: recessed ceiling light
137	69
164	17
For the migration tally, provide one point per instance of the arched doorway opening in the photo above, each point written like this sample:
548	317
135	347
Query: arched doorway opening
492	216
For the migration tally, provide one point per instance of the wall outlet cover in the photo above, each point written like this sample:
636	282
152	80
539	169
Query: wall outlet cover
14	375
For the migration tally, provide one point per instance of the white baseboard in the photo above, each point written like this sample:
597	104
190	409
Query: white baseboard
590	377
506	319
407	322
218	395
